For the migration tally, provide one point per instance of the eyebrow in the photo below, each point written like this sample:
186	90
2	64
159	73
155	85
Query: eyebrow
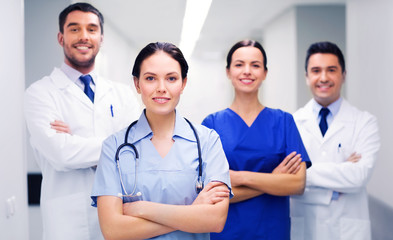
77	24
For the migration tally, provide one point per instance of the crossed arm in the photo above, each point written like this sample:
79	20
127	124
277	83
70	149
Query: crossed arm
287	178
143	219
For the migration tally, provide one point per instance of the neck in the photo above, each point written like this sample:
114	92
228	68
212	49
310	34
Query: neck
161	125
245	103
82	69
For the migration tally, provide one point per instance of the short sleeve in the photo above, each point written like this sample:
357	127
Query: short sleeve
216	167
294	141
107	177
208	122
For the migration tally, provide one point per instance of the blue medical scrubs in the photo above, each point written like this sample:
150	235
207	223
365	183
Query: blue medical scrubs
258	148
169	180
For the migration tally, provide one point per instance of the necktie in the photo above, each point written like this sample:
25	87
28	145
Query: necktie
323	123
86	79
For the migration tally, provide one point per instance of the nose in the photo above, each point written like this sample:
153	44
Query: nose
84	35
246	70
161	88
324	77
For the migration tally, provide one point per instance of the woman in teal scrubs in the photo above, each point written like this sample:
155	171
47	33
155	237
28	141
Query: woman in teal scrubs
266	155
161	197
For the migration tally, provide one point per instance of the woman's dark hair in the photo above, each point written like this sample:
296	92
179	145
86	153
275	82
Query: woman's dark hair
246	43
168	48
326	47
84	7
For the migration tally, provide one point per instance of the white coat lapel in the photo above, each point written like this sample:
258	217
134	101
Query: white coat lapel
307	122
102	88
65	84
342	118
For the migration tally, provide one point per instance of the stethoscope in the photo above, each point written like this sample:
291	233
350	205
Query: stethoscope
199	183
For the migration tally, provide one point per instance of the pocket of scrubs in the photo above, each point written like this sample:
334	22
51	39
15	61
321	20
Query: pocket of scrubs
358	229
297	228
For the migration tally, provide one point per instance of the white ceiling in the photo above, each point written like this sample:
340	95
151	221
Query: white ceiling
228	21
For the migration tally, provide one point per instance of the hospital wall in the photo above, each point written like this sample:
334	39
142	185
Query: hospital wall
369	86
13	190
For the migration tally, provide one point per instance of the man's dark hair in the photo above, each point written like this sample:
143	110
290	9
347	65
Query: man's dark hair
84	7
326	47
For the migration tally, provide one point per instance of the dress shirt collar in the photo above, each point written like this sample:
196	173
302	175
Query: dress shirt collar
142	129
333	108
74	74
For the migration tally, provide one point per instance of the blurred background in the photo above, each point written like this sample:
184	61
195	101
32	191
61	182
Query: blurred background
29	50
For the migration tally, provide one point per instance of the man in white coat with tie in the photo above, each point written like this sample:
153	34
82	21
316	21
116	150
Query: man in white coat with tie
69	113
342	143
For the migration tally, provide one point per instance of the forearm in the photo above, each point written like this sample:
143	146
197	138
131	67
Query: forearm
341	177
242	193
115	225
198	218
276	184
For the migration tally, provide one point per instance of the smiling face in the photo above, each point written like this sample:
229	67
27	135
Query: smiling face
81	40
160	83
246	70
324	77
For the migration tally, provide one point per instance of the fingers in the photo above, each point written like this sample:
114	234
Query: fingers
294	165
354	157
60	127
288	158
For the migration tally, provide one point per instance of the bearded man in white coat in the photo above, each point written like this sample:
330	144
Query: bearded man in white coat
69	113
342	143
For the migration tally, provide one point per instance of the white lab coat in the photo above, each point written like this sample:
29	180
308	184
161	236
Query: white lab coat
314	215
68	161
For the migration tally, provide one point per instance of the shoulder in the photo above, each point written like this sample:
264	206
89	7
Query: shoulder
43	88
217	117
278	115
116	139
359	116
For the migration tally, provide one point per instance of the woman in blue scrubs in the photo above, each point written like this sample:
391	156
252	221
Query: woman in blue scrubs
266	155
161	200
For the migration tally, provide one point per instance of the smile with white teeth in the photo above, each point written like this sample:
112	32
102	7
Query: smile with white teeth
246	80
82	47
160	99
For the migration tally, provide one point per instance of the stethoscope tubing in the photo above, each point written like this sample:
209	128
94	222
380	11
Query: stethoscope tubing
199	184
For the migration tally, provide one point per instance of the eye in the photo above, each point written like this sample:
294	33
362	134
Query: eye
150	78
332	70
73	29
256	65
172	79
315	70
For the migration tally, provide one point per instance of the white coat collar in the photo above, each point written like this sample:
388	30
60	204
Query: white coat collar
306	117
61	81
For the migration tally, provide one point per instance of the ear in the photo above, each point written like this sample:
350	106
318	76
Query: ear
184	83
102	39
136	83
227	71
344	76
60	38
307	80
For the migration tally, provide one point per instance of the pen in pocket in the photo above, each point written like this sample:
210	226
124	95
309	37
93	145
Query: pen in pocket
112	110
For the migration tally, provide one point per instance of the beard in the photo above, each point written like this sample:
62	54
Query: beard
78	64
